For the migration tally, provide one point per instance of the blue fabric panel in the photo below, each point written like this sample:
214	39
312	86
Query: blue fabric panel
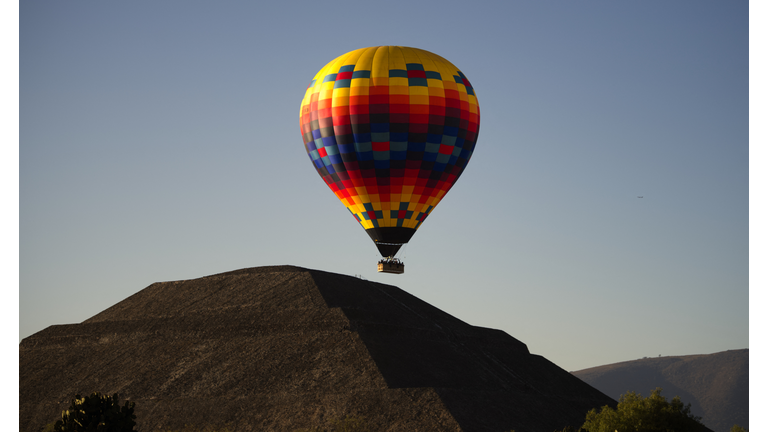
398	155
329	141
434	138
342	83
379	127
417	147
346	148
415	82
363	137
398	136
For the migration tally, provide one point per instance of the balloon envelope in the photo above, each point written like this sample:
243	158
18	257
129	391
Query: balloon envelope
390	129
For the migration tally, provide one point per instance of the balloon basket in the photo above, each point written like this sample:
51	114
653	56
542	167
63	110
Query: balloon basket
391	266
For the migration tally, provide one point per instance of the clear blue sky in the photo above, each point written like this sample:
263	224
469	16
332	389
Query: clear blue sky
160	141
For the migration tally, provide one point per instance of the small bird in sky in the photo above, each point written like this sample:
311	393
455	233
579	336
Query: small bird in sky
639	196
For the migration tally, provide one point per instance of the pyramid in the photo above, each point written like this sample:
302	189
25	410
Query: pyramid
284	348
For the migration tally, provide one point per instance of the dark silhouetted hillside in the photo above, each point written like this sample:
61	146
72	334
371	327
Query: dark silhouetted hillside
716	385
281	348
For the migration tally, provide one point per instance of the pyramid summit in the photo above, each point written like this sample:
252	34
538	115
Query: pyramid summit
283	348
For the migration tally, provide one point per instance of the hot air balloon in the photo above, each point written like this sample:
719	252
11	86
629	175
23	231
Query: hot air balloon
390	129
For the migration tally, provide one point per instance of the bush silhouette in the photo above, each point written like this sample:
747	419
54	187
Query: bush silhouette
97	413
638	414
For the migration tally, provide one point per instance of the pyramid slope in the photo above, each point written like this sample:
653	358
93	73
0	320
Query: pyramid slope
281	348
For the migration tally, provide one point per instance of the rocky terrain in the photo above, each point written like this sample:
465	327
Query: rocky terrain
282	348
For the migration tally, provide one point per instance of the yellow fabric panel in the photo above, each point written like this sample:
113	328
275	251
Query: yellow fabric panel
396	59
341	96
410	55
396	87
419	99
419	91
427	60
326	92
351	58
365	61
435	84
436	90
360	87
380	81
380	67
446	69
341	61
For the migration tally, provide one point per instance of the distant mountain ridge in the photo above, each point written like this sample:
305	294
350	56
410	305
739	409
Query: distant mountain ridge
716	385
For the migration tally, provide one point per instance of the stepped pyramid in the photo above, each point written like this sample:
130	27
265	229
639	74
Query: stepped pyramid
283	348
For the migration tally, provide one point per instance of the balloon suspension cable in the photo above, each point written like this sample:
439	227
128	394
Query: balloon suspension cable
403	252
393	259
390	260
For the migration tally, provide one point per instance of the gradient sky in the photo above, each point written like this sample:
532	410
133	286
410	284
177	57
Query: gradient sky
160	141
